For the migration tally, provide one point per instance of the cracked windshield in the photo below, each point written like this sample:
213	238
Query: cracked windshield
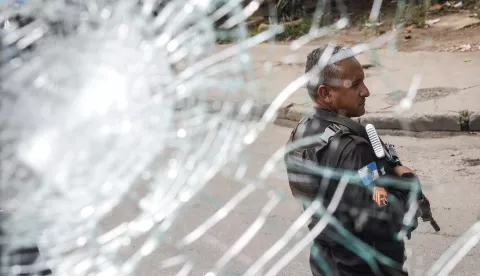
239	137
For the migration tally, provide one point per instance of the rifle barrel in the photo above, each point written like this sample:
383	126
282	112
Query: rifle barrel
435	225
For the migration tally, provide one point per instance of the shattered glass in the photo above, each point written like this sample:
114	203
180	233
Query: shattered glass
131	107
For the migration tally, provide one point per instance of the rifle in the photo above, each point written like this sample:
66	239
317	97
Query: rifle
388	152
425	212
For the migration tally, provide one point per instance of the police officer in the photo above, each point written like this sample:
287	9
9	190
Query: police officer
368	210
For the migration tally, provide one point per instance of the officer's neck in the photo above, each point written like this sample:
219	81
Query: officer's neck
328	108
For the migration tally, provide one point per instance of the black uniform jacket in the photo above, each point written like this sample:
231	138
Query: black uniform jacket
370	211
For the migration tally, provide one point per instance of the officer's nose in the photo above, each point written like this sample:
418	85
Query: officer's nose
364	92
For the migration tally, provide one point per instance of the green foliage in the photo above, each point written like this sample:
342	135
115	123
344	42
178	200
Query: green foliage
290	31
464	116
296	31
289	10
253	31
470	3
464	120
415	15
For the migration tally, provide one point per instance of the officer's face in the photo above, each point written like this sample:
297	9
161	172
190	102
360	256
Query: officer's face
348	94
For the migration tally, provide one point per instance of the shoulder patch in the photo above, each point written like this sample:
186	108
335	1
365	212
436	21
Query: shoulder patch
369	173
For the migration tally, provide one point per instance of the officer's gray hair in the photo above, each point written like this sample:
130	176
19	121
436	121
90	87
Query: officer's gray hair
329	73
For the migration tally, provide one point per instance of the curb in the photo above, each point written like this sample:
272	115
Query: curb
474	121
439	121
289	115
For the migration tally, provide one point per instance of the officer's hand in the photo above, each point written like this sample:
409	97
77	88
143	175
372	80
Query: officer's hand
400	170
405	172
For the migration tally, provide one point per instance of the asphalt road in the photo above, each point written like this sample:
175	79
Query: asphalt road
448	167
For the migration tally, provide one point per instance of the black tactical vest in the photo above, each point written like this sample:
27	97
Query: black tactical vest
323	137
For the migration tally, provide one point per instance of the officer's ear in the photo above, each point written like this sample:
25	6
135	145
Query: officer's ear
324	93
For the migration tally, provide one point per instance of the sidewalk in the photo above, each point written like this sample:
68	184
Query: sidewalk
449	89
